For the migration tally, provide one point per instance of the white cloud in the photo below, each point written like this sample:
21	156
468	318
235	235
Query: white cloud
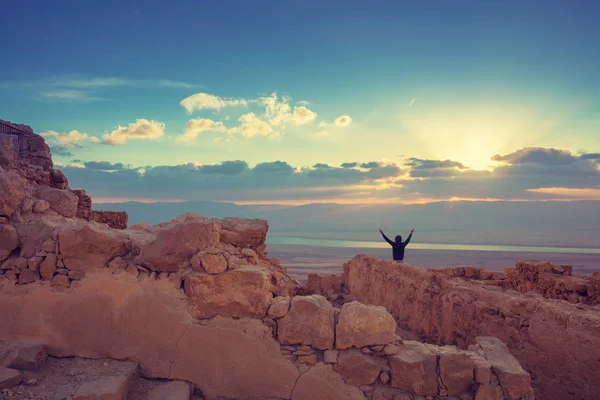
343	122
412	102
202	101
280	111
69	95
66	140
195	127
140	129
252	126
322	133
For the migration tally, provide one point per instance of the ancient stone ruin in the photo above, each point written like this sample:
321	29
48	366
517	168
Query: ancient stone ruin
195	308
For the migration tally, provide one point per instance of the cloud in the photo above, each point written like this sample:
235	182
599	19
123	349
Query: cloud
278	111
66	140
195	127
252	126
105	166
60	151
538	156
343	122
70	95
279	181
412	101
141	129
590	156
205	101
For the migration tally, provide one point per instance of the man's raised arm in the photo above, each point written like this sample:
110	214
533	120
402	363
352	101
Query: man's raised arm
386	238
409	236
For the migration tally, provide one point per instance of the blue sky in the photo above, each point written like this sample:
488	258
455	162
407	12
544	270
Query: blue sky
461	81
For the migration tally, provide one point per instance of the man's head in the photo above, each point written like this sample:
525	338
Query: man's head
398	239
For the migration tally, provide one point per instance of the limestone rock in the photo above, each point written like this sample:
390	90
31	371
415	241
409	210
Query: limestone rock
279	307
515	381
245	292
40	206
9	240
49	246
13	192
28	276
34	233
361	325
177	241
309	321
48	266
308	359
62	201
61	281
9	151
414	368
9	378
27	357
330	356
109	388
87	246
172	390
357	368
34	263
21	263
329	385
244	232
213	263
483	369
485	392
456	370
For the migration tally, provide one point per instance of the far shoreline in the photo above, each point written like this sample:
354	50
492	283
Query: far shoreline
301	260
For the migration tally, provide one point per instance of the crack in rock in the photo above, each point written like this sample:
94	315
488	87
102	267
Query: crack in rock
177	350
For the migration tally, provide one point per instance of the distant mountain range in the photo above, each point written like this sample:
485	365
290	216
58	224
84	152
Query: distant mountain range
562	224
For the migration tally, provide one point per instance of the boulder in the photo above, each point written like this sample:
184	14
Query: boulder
172	390
279	307
212	263
309	321
9	378
357	368
9	240
26	357
245	292
456	370
515	381
109	387
40	206
241	232
361	325
13	192
330	356
28	276
177	241
321	382
483	369
63	202
34	263
87	246
486	392
414	368
48	266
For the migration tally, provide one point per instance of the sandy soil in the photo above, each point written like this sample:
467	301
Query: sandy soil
302	260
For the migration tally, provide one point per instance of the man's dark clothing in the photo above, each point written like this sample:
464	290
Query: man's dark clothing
397	247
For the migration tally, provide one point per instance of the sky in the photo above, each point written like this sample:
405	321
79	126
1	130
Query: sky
298	102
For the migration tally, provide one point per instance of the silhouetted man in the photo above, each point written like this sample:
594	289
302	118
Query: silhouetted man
398	245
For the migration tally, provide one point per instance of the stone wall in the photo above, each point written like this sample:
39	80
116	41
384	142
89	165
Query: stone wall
558	343
550	280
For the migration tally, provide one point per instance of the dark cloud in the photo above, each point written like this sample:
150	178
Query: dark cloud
537	155
420	163
372	164
225	168
104	165
278	180
279	167
61	151
321	166
590	156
